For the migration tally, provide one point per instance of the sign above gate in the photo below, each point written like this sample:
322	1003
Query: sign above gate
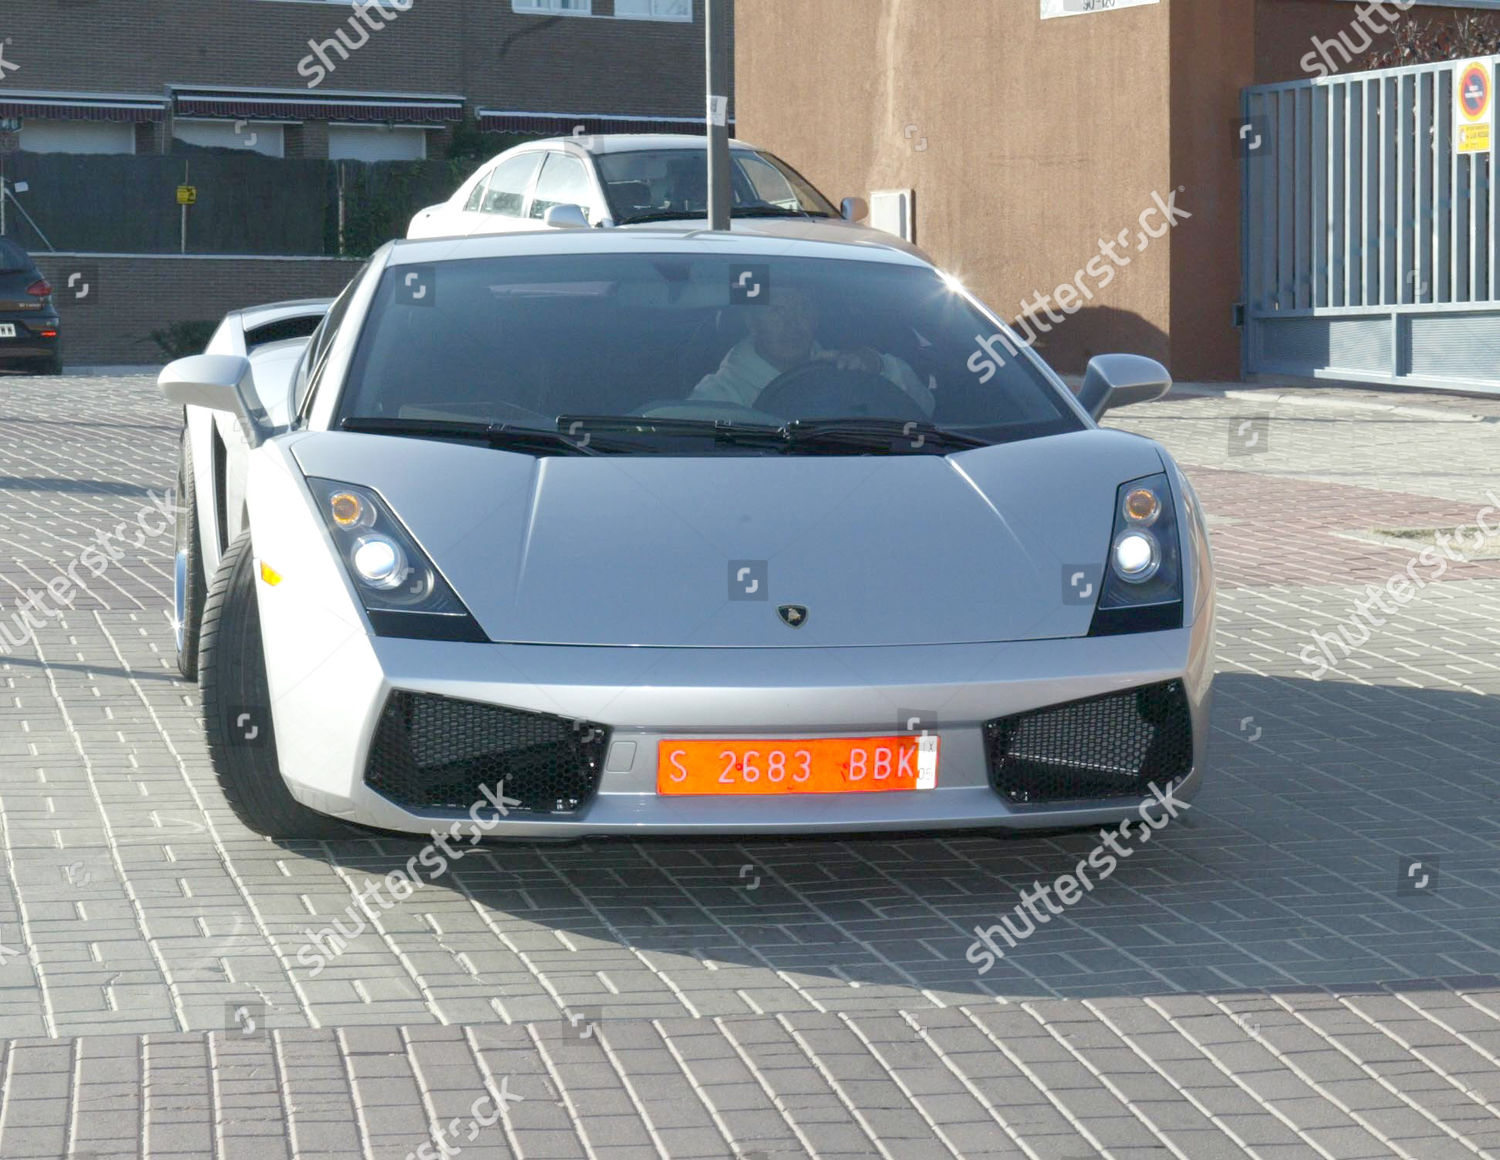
1473	106
1051	8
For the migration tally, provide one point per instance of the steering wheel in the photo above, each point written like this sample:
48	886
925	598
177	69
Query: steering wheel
822	390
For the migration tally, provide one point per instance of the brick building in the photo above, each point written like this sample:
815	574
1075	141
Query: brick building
383	80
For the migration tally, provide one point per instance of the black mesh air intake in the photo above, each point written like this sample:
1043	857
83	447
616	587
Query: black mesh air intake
434	753
1103	747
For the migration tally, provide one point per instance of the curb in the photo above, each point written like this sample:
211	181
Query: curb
1275	396
114	371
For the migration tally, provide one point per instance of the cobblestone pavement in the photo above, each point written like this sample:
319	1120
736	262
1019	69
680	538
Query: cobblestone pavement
1304	965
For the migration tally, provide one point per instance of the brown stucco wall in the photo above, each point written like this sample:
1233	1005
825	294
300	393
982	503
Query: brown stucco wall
1041	138
1212	59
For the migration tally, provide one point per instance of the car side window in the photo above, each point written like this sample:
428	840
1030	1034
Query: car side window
476	195
769	185
564	181
506	191
311	367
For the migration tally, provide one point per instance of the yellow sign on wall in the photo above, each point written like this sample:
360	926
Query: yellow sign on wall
1473	106
187	195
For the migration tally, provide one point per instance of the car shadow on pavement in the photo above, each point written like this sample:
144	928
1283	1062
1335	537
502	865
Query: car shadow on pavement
72	486
1294	867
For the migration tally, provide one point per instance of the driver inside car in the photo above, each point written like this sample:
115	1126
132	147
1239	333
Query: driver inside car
781	339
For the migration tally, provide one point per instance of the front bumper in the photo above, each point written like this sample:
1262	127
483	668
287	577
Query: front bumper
328	697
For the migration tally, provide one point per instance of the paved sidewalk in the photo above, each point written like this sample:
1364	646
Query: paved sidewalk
1305	964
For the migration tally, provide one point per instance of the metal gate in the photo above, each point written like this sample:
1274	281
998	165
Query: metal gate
1369	241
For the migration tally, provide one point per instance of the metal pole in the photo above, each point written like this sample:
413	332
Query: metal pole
185	172
31	221
716	22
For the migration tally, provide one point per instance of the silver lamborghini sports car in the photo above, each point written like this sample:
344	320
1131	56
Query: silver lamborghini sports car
581	532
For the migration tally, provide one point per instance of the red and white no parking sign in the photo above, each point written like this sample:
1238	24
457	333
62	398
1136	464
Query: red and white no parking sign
1473	106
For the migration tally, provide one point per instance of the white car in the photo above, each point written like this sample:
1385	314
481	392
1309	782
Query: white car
637	179
629	532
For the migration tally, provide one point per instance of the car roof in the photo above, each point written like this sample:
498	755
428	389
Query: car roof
782	239
10	250
629	142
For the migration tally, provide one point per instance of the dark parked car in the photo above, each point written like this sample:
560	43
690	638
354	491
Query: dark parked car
28	319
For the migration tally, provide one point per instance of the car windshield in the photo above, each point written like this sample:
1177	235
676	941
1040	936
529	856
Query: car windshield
661	184
660	353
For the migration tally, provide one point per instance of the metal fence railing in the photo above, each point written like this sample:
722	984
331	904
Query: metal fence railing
1369	239
246	203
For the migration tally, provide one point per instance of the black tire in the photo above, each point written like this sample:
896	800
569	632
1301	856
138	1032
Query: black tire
53	366
237	709
196	585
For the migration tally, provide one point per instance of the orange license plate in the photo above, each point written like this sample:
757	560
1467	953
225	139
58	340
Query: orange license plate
825	765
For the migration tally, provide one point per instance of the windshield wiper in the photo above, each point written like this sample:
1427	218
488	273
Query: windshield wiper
501	436
603	434
764	211
891	436
665	215
719	431
885	436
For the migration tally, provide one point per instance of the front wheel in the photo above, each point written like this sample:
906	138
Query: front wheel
237	709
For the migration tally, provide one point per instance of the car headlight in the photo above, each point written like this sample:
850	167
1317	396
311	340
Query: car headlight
402	592
1142	589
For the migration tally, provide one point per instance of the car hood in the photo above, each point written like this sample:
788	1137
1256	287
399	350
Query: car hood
887	550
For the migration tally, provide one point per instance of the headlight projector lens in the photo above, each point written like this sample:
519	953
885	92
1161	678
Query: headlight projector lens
1136	557
379	562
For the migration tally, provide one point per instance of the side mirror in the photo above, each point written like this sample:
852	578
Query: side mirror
566	217
1118	380
855	209
219	382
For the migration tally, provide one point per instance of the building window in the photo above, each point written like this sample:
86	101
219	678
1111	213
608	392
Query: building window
47	136
654	9
554	7
266	138
376	143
